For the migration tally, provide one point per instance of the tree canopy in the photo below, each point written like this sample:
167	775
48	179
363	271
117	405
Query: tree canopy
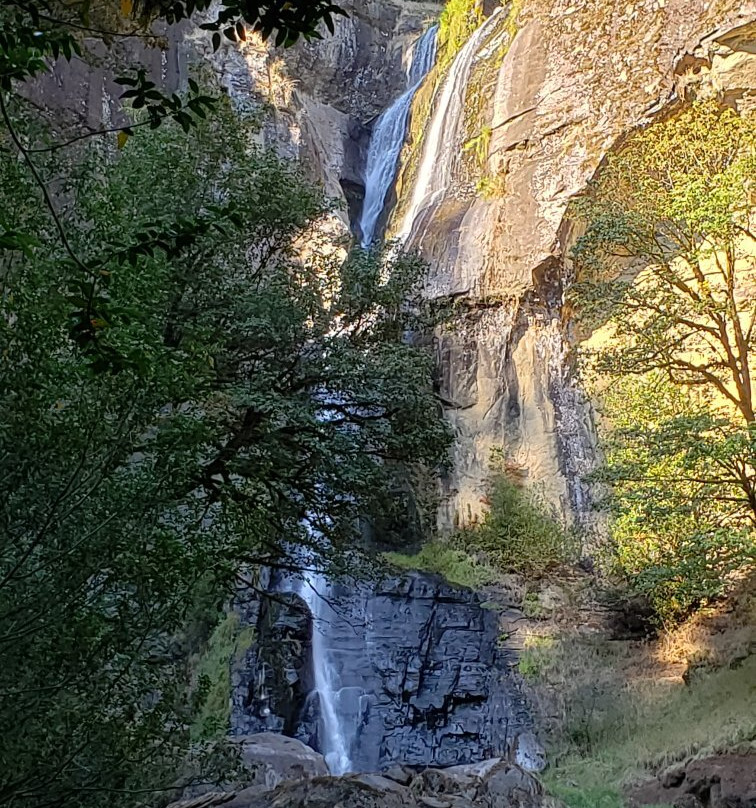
668	261
251	391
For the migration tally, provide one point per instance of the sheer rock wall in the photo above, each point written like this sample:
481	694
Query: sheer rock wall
570	83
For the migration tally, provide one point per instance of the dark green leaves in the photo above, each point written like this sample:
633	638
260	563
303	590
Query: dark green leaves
287	20
167	418
144	95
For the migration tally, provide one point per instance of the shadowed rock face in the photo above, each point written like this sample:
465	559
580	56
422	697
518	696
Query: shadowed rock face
422	680
491	784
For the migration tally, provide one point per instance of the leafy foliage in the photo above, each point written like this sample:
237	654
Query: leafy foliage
676	202
681	527
260	392
453	564
667	258
288	20
519	533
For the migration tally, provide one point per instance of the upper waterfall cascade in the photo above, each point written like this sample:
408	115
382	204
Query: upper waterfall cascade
443	135
388	137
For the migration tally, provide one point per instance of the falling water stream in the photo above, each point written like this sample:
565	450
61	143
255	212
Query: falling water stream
442	137
388	137
335	744
441	145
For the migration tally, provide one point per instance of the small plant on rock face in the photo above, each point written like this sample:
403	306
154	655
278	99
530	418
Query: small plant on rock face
458	21
535	656
532	606
519	533
453	564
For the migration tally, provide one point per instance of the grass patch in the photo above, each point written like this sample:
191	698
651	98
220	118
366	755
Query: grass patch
616	716
453	564
535	656
575	797
458	21
227	643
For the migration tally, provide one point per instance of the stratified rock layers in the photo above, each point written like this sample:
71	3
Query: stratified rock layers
423	680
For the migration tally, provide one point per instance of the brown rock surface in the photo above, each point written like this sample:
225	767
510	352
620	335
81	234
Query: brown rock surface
719	781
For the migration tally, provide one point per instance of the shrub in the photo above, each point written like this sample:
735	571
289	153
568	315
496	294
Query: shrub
519	533
453	564
458	21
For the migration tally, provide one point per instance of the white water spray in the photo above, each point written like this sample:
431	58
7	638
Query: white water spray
388	137
442	138
335	744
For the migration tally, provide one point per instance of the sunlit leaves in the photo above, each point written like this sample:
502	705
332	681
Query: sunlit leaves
666	262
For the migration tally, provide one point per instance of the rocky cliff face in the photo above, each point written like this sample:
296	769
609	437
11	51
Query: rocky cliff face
320	99
419	674
558	85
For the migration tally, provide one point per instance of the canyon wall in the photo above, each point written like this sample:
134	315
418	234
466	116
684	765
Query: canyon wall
554	88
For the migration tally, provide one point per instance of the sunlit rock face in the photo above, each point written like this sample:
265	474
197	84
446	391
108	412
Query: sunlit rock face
562	84
319	99
559	84
417	671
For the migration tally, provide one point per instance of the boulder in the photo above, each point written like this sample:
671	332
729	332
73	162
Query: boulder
273	759
509	786
334	792
487	784
529	753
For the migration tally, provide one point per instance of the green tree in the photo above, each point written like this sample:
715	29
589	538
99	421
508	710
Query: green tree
682	528
677	202
667	259
520	532
255	394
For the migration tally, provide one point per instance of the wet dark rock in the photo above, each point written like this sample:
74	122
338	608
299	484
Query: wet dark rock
271	684
422	677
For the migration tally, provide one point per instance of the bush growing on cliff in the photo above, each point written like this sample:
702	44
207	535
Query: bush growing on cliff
454	564
519	533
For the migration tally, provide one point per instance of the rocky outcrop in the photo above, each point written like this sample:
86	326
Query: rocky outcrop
720	781
316	101
422	677
562	84
490	784
321	98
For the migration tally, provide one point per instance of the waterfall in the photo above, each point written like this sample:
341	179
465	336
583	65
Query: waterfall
442	138
388	137
336	742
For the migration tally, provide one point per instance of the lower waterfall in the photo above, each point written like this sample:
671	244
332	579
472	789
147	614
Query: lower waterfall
335	738
407	669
